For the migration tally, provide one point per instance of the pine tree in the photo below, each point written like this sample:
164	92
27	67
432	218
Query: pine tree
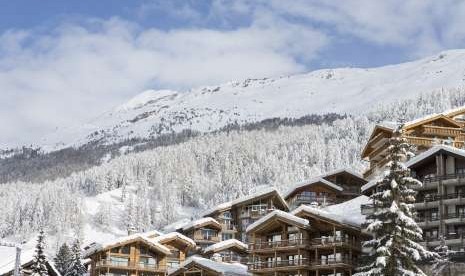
77	268
39	263
442	264
394	249
63	259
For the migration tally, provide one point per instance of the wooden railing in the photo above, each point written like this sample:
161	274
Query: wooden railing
442	131
127	264
277	244
278	263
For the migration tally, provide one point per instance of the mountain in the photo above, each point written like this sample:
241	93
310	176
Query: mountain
343	90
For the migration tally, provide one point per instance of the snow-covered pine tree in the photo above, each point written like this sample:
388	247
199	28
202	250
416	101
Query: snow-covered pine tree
39	263
394	250
442	264
77	268
63	259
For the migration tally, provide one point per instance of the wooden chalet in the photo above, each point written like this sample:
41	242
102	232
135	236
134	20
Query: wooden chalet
136	255
331	188
204	231
198	266
235	216
308	241
228	251
443	128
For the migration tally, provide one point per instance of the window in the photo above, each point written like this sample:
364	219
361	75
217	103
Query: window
226	236
147	262
125	249
119	261
208	234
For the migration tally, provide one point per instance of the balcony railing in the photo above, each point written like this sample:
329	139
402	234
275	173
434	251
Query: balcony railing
442	177
278	264
460	216
442	131
127	264
310	199
331	241
234	259
333	261
277	244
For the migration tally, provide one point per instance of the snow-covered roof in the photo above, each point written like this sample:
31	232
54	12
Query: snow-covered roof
336	213
240	200
8	258
124	240
200	222
222	268
225	245
341	170
153	233
350	210
280	214
313	181
369	185
433	150
174	235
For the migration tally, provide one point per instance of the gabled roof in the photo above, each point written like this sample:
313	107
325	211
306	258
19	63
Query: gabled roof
126	240
369	185
344	170
433	151
221	268
388	127
165	238
430	118
202	222
227	244
455	111
259	194
287	217
313	181
323	214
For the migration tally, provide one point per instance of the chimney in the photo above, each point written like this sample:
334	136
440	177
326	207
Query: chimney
131	230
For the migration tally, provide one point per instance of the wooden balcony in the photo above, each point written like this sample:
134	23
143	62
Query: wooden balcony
130	266
278	245
278	265
378	151
429	142
206	239
332	263
331	242
441	131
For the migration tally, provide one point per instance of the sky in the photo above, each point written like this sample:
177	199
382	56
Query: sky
65	62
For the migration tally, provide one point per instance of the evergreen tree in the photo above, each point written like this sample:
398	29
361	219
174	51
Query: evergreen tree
394	249
443	263
39	263
77	268
63	259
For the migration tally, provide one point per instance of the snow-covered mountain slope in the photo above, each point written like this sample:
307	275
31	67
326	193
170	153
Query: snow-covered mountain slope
344	90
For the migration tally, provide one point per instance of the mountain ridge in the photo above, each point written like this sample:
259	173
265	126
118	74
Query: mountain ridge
341	90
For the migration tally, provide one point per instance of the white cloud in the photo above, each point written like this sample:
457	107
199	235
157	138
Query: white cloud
78	71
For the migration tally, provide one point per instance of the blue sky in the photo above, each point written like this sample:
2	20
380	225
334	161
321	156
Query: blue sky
57	57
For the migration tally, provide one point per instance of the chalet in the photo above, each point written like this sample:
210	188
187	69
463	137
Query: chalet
331	188
443	128
228	251
7	266
204	231
138	254
235	216
307	241
198	266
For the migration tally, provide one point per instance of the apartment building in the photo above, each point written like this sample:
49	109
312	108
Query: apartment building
228	251
440	202
308	241
235	216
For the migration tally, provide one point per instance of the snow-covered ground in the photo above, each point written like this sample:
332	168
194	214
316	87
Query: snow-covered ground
343	90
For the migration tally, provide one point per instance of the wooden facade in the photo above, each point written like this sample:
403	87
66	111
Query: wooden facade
284	245
444	128
331	188
136	256
235	216
204	232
